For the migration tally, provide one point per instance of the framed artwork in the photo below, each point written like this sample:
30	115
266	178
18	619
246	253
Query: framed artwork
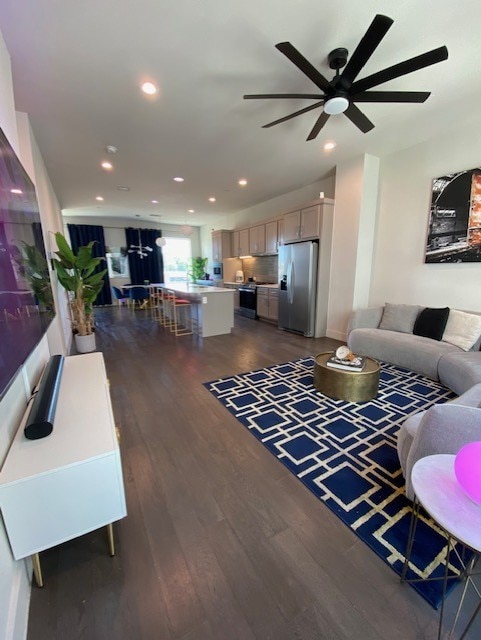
117	262
454	233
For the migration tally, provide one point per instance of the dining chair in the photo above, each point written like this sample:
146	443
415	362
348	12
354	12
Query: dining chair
139	295
119	296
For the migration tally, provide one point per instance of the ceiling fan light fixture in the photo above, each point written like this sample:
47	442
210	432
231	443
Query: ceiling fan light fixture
336	105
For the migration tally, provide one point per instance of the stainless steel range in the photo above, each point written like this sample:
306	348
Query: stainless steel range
248	300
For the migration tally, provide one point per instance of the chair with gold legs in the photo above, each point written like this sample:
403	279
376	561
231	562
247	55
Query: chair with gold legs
156	304
180	311
167	314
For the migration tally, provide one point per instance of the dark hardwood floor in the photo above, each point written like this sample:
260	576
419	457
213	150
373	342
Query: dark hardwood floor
221	542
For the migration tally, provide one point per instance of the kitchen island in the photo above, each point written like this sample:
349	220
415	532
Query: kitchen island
215	306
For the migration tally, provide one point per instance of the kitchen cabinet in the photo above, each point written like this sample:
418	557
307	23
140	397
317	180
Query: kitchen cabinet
267	302
272	238
236	294
280	233
302	225
262	302
221	245
273	304
257	239
240	243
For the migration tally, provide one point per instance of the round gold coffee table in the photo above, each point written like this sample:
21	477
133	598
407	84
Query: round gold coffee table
352	386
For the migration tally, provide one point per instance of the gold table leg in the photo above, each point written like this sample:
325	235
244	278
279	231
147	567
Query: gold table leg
37	569
110	537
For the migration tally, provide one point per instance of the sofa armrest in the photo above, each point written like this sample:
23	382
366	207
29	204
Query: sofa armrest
365	319
470	398
445	428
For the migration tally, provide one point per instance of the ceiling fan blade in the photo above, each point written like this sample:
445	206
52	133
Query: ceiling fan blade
366	47
321	121
293	115
304	65
391	96
357	117
262	96
401	69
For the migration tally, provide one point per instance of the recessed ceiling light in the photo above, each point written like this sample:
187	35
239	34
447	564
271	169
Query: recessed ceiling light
99	198
19	191
123	188
107	166
149	88
329	146
155	201
211	199
242	182
190	211
178	179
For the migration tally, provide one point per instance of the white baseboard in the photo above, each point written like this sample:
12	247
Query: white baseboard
336	335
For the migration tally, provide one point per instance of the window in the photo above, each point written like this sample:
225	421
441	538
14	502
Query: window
177	253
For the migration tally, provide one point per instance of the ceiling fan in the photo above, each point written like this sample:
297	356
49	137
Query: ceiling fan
340	94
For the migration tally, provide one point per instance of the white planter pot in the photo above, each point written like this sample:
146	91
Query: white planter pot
85	344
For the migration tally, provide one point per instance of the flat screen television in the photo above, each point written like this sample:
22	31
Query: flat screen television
26	300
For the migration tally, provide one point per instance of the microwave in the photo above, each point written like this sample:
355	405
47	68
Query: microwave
217	272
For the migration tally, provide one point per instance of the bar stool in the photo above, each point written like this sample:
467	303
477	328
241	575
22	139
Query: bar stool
156	303
166	316
180	311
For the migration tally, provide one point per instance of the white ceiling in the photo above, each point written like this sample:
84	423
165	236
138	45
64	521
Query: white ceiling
77	67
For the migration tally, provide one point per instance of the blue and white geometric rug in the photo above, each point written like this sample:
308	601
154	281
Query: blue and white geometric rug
345	453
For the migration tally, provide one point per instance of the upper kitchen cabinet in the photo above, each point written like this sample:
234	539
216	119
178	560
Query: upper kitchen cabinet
272	238
302	225
221	245
257	239
240	243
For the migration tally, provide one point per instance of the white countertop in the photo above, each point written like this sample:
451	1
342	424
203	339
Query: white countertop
268	286
186	287
273	285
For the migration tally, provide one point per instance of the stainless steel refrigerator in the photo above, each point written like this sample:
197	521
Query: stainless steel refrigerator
298	286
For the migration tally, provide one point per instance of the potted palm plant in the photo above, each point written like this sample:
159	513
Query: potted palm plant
76	275
197	268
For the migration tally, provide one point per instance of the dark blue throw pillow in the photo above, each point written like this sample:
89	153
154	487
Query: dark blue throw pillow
431	323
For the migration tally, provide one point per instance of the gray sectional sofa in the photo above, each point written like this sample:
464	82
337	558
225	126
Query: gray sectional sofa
436	359
454	358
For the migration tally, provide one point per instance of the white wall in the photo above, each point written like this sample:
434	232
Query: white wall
268	209
15	577
7	107
399	272
59	334
355	209
281	204
114	229
114	232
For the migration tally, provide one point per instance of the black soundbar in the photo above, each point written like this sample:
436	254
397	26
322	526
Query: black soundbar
42	412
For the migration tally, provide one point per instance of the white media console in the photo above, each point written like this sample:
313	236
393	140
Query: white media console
69	483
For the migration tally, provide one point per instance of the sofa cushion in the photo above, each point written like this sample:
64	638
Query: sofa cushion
459	370
431	323
399	317
462	329
403	349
